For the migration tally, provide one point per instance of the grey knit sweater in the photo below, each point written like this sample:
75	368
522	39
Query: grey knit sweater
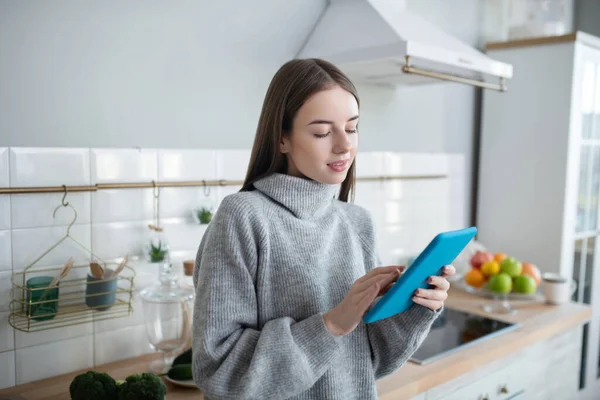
270	263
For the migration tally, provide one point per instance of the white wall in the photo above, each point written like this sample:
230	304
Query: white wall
192	74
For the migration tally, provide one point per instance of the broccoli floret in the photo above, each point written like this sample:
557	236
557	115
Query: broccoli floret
146	386
93	385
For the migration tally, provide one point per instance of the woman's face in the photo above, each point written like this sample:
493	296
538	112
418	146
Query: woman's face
323	141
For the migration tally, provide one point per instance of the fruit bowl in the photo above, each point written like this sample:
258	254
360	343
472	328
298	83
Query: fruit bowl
484	292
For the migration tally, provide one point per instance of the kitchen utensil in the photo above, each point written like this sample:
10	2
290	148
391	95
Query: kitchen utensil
97	270
120	267
63	272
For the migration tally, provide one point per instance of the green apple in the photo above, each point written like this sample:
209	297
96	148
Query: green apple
501	283
524	284
511	266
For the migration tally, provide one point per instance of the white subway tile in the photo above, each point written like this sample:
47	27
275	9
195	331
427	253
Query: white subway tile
5	222
109	325
30	244
7	360
4	170
5	251
47	360
39	166
182	235
29	339
369	164
123	165
36	210
233	164
181	202
116	205
121	344
186	164
116	239
5	288
7	337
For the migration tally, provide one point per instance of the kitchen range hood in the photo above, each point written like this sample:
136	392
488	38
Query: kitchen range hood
381	42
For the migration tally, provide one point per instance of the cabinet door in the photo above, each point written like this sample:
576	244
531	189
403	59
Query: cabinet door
586	265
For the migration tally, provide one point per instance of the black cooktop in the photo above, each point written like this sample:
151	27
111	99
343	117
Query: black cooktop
454	330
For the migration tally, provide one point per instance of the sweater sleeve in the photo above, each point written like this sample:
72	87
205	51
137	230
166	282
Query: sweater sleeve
393	340
232	356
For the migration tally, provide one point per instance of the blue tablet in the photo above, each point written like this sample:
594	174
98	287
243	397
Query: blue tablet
442	250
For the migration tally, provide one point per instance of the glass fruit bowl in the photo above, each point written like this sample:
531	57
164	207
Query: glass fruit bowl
485	292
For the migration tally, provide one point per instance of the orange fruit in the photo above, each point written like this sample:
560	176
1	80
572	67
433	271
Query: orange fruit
532	271
475	278
490	268
499	257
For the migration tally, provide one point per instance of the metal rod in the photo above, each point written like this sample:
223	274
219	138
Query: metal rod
407	68
220	182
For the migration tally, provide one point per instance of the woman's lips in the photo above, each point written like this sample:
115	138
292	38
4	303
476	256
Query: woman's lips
338	166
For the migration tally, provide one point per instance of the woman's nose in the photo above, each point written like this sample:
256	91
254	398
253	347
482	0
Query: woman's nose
342	144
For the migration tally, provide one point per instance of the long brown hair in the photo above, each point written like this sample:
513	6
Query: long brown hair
291	86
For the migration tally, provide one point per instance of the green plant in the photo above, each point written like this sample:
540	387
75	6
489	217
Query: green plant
144	386
158	252
93	385
204	215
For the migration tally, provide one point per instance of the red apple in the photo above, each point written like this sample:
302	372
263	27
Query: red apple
480	257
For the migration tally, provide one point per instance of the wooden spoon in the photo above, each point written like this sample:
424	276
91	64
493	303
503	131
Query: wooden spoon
97	270
120	267
63	272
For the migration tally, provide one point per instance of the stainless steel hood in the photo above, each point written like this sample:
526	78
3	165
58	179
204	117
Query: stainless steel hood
381	42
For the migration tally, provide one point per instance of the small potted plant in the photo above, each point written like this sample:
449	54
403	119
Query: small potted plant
157	251
204	215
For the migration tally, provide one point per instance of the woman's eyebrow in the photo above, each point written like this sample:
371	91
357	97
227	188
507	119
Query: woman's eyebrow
323	121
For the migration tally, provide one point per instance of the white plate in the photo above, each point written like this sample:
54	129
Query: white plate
187	383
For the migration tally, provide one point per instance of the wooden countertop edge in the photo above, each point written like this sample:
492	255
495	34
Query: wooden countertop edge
527	334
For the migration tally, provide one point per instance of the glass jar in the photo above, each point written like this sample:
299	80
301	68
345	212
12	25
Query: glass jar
167	309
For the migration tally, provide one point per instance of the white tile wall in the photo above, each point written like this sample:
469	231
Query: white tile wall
117	345
44	361
114	205
7	337
407	214
116	239
28	339
5	211
5	286
123	165
30	244
7	377
35	211
49	166
180	202
187	165
5	251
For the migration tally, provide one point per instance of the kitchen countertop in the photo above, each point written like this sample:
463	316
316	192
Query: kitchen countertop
538	322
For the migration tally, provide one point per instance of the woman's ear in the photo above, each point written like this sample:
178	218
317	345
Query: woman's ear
284	145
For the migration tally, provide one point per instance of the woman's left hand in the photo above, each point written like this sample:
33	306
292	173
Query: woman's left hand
434	298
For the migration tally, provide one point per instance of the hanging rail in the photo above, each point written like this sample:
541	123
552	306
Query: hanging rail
152	184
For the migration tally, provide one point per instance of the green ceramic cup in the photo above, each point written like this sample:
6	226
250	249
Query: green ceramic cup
44	302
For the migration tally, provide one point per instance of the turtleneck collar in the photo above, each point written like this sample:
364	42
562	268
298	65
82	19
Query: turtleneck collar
305	198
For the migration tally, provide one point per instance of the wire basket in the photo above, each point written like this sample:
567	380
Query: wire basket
77	299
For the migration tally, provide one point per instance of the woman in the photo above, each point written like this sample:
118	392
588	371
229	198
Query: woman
287	268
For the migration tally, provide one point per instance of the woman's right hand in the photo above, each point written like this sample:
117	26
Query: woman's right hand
345	317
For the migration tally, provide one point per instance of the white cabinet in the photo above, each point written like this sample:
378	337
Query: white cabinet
539	170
